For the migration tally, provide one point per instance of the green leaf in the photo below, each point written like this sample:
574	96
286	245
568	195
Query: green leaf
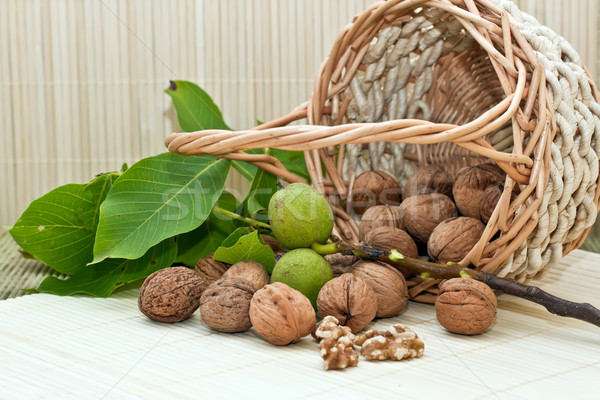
247	247
103	278
263	186
235	236
157	198
58	228
245	169
196	110
204	240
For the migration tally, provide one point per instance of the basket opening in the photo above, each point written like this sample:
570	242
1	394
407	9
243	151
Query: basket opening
423	65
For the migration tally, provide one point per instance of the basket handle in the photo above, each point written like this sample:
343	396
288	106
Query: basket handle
230	144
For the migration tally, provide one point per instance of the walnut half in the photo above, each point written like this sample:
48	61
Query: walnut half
396	343
336	344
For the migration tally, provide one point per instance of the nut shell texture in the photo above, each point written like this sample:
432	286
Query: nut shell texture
388	238
171	294
225	304
469	185
249	270
209	269
428	180
375	188
281	315
388	285
422	213
453	238
465	306
377	216
349	299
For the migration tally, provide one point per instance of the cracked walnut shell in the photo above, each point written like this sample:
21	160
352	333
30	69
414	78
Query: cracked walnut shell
350	299
396	343
374	188
171	294
281	315
224	305
454	238
387	283
465	306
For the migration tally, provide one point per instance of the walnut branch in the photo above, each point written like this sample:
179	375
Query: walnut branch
556	305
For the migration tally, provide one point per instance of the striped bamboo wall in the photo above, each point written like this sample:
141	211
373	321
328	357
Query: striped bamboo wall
81	82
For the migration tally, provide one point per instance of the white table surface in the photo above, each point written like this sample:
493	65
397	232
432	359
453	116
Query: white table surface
90	348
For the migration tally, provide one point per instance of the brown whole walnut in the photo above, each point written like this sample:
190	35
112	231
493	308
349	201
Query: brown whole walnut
375	188
281	315
271	242
171	294
453	238
249	270
422	213
377	216
465	306
428	180
349	299
388	238
469	185
490	200
340	263
388	285
209	269
225	304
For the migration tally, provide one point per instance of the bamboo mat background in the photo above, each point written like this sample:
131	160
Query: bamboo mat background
81	82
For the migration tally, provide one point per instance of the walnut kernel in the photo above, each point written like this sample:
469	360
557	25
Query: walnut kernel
336	344
396	343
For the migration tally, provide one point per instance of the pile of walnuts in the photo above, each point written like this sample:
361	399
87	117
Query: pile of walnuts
238	297
440	216
434	215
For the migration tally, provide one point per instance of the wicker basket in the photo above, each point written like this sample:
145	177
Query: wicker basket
450	83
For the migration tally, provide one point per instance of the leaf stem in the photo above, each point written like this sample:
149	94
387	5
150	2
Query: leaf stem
249	221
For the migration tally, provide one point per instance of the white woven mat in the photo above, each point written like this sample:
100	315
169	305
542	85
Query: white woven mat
89	348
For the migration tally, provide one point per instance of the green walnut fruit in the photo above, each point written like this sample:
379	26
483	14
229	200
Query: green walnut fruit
304	270
299	216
